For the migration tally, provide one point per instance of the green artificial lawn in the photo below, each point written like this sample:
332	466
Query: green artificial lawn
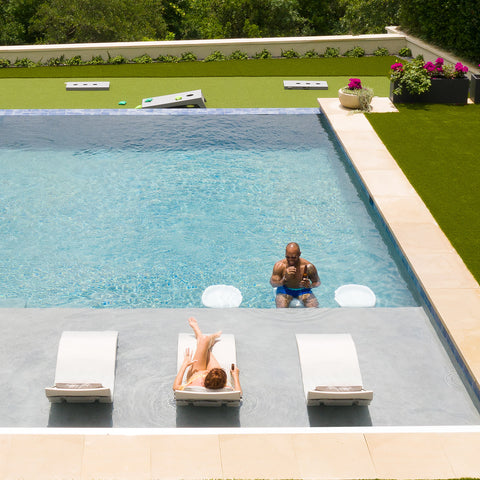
220	92
437	147
228	84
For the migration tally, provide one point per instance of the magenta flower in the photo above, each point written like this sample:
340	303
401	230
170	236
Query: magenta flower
398	67
439	61
354	84
461	68
430	67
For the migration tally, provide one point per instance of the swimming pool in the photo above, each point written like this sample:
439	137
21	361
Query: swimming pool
148	210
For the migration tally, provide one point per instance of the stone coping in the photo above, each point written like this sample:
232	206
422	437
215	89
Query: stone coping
223	454
451	292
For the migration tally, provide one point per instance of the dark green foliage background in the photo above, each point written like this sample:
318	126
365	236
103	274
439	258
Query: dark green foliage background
453	25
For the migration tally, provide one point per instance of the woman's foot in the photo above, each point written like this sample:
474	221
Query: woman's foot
192	321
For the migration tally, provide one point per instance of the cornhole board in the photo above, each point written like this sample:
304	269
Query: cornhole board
193	98
87	85
305	85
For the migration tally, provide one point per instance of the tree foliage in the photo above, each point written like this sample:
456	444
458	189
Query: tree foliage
82	21
368	16
75	21
451	24
242	18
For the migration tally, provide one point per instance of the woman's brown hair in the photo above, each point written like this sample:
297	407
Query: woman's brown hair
216	378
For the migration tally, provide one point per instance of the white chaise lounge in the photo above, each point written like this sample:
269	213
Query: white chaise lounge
330	370
85	369
225	352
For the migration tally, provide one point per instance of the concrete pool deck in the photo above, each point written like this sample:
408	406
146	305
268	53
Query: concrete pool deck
341	453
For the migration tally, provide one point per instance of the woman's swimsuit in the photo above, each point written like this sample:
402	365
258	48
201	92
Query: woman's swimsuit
197	379
293	292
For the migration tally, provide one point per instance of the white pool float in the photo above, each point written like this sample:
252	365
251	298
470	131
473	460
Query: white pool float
221	296
355	296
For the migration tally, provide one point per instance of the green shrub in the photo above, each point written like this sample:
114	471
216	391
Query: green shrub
331	52
76	60
405	52
215	56
168	59
355	52
381	52
290	54
98	60
188	57
238	55
311	54
263	55
117	60
4	63
145	58
55	62
24	62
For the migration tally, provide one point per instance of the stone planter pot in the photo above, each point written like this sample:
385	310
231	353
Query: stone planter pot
349	100
442	90
475	88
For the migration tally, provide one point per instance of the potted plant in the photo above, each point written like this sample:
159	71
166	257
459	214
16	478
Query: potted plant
356	96
419	82
475	87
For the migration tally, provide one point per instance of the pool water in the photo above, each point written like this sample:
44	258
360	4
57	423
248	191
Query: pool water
147	211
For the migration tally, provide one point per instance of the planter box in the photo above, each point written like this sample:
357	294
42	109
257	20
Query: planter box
443	90
475	88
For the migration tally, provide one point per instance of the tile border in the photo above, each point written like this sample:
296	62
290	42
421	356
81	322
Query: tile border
162	111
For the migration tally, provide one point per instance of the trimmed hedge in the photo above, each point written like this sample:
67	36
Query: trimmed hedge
453	25
286	67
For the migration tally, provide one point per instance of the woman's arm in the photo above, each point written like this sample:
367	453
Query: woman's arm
236	378
187	362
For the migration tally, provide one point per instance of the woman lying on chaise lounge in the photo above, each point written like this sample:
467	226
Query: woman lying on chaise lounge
203	369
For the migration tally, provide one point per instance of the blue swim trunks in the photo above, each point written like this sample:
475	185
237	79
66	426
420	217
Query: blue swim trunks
294	292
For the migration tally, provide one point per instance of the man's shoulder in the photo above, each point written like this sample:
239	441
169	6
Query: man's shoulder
281	263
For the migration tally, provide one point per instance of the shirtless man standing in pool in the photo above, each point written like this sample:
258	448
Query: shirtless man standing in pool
288	277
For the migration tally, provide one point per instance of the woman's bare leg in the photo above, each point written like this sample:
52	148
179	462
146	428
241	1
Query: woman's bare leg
204	346
212	362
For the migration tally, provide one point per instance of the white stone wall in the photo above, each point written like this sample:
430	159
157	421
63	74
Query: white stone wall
201	48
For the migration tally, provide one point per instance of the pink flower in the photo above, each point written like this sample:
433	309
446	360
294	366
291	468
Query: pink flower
354	84
398	67
439	61
430	67
461	68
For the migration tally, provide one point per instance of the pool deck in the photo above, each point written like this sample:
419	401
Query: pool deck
334	452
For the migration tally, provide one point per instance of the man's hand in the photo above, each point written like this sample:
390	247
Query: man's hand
290	272
305	283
